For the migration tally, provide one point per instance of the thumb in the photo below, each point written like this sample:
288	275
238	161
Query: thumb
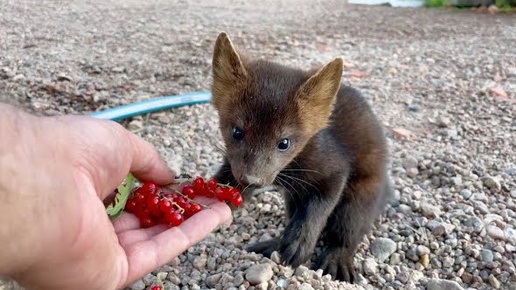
147	164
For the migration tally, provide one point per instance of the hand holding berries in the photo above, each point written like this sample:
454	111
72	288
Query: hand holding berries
153	205
56	173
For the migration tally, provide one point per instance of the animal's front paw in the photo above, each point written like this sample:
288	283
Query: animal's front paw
265	248
340	267
294	252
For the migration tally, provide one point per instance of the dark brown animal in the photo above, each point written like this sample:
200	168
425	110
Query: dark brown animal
317	139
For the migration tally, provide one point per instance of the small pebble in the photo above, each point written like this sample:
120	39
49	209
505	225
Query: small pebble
302	271
441	284
492	183
369	266
494	282
259	273
138	285
495	232
382	248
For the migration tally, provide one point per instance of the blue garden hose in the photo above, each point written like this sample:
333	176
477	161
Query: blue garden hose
153	105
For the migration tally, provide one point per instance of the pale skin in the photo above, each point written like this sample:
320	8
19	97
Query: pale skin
55	173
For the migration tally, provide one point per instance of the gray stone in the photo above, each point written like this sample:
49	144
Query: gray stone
412	172
443	121
18	77
213	280
149	279
238	279
259	273
457	180
495	232
487	255
302	271
430	211
475	223
275	257
409	162
369	266
200	262
442	229
492	183
305	286
382	248
441	284
415	276
395	259
403	277
493	281
138	285
413	107
282	283
422	250
405	209
466	193
510	236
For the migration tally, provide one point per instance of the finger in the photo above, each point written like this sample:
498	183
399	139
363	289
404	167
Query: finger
146	256
126	222
147	164
129	237
129	231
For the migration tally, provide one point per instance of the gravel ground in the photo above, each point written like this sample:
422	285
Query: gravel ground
443	82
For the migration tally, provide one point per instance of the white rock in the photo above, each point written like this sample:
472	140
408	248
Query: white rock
259	273
382	248
369	266
510	236
441	284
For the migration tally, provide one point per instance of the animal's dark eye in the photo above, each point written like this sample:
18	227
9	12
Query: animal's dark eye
284	144
237	133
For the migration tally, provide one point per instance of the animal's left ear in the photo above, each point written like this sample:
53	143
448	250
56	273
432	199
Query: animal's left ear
228	72
315	98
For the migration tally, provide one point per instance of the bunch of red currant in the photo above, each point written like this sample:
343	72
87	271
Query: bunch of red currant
153	205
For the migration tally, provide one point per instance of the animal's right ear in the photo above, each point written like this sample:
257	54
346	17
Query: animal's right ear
227	67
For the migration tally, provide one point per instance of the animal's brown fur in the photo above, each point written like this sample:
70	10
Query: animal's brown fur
333	174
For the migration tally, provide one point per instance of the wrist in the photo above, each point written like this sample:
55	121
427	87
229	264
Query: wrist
18	204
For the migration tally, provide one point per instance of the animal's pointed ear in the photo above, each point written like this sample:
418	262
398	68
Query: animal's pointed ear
316	97
227	67
226	62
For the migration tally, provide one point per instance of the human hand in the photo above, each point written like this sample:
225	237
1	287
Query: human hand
55	234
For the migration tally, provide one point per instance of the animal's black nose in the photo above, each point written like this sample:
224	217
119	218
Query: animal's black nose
251	180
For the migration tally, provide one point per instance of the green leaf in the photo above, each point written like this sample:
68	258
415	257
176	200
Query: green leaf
115	209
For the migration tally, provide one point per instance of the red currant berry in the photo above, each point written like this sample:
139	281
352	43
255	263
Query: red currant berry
130	205
164	206
188	191
186	207
236	200
198	184
233	191
156	287
147	222
195	208
152	204
179	199
212	183
170	196
149	188
141	213
210	193
222	193
174	218
139	199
